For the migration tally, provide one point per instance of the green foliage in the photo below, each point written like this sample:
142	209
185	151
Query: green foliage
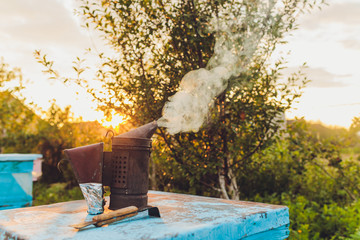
58	131
57	192
17	122
22	131
25	132
311	220
303	169
309	175
355	236
355	125
8	75
157	43
354	138
239	152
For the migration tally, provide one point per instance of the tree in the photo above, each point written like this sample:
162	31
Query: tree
23	131
355	125
59	130
17	121
228	43
308	172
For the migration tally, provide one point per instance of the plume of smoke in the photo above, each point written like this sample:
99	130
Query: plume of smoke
188	108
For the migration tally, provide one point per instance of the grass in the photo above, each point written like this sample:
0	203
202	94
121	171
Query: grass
53	193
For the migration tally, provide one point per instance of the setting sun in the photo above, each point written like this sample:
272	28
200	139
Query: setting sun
114	121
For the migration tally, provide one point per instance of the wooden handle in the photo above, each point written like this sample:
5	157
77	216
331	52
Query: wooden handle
107	218
108	221
114	214
82	225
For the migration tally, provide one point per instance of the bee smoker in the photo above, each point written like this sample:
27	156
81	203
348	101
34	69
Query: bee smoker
125	169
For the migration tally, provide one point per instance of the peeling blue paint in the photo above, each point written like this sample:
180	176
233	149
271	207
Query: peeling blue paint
14	193
19	156
16	180
183	217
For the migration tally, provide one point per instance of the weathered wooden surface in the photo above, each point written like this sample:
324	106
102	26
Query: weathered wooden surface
182	217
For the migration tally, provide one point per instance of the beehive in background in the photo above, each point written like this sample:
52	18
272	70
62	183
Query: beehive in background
16	179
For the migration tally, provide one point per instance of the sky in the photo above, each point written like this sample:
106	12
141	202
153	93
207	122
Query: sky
327	40
51	27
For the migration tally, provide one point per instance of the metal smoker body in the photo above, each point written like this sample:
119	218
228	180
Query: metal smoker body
129	167
129	172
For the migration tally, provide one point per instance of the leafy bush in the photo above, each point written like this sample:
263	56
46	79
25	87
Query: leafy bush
311	220
309	175
57	192
301	170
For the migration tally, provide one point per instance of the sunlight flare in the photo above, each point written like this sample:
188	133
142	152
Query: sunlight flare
114	120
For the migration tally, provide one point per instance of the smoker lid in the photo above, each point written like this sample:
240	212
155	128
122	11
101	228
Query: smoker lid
133	142
144	131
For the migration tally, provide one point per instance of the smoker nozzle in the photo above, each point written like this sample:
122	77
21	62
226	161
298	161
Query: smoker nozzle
144	131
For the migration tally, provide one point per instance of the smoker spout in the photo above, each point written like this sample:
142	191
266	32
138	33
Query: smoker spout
144	131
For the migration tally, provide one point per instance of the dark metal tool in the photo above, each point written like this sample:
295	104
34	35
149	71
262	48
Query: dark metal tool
128	167
87	164
117	215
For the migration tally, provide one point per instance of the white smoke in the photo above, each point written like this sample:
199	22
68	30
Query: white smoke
189	107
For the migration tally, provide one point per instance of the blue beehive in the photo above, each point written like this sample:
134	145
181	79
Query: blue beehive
16	180
183	217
